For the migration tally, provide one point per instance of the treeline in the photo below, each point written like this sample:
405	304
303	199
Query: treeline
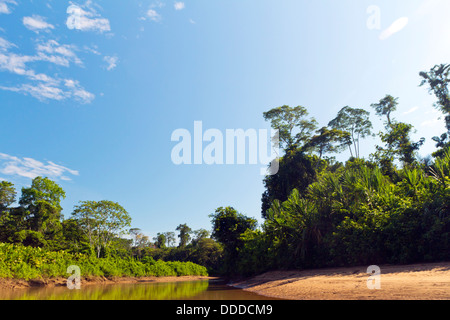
193	246
391	208
27	262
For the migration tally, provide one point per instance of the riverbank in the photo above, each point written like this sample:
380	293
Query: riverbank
17	284
430	281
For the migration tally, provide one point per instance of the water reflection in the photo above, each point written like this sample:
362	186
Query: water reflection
192	290
139	291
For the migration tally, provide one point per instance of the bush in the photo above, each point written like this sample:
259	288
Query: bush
21	262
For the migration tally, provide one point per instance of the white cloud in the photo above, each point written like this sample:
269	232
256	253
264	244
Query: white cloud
395	27
44	91
153	15
5	44
36	23
179	5
52	51
85	18
39	85
31	168
111	61
431	122
93	49
411	110
4	6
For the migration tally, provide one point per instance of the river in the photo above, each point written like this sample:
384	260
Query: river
190	290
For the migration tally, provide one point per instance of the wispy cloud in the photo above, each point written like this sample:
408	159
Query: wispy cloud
36	23
5	6
56	53
31	168
5	44
111	61
411	110
435	121
40	85
395	27
179	5
85	18
153	15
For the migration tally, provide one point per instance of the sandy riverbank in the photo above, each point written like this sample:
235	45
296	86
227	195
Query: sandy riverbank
429	281
12	284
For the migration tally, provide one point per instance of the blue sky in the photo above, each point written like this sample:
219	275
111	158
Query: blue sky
91	91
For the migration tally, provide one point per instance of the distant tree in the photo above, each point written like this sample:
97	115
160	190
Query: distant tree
170	238
199	235
327	141
385	107
397	137
139	240
7	195
294	127
102	221
356	122
160	240
184	235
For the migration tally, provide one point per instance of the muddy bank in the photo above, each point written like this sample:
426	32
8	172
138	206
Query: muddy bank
429	281
13	284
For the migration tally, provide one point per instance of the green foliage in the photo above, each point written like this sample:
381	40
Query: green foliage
356	215
42	190
293	126
356	123
228	227
185	234
102	221
25	262
297	170
7	195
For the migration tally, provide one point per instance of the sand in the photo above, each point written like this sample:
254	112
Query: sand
429	281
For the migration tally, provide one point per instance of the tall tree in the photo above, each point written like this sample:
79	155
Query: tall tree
160	240
356	122
199	235
397	137
7	195
184	235
102	222
327	140
385	107
438	79
294	127
41	210
42	189
170	238
139	240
